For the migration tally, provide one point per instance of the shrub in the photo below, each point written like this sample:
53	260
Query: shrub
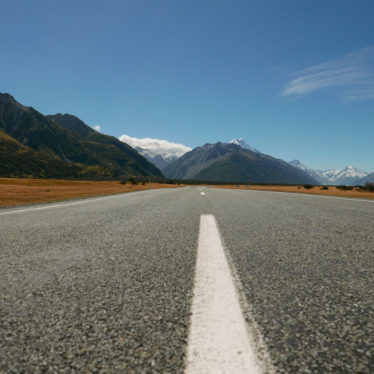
324	188
308	186
369	187
133	180
344	188
169	181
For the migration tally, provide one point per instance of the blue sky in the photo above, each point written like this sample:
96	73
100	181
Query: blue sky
295	79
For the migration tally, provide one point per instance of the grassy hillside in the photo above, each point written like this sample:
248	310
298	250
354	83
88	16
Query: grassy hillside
92	153
18	160
110	147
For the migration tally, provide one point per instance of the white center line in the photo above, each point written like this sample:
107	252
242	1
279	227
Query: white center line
218	339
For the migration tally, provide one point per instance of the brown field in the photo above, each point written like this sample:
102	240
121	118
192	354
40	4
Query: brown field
14	191
17	191
332	191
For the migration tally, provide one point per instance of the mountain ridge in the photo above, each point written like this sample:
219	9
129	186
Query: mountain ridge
242	143
91	154
229	162
350	175
63	145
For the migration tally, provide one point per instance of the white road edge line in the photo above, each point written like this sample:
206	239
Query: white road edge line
87	200
316	195
219	341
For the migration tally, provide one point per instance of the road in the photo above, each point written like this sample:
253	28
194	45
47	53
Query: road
107	284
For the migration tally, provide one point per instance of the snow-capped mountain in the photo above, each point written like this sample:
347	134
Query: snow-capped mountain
160	152
316	174
367	179
241	143
350	175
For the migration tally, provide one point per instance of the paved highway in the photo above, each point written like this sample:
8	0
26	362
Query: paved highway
107	284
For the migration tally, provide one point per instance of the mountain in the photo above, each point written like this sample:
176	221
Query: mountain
350	175
80	150
316	174
367	179
118	151
18	160
229	162
159	152
241	142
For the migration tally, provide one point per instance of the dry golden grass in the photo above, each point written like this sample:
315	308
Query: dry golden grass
17	191
332	191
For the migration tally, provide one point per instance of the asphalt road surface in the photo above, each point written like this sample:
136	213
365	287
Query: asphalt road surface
106	284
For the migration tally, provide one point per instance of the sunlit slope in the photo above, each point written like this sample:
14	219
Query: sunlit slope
18	160
94	154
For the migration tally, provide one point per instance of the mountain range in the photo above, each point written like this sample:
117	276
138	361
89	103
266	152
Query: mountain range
349	176
230	162
163	153
62	146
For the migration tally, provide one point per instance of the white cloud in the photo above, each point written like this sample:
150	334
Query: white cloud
97	128
156	146
352	74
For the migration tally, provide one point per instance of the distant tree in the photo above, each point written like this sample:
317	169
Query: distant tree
344	188
133	180
369	187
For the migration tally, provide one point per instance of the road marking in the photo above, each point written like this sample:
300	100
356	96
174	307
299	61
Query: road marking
338	198
61	205
202	193
218	340
316	195
87	200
